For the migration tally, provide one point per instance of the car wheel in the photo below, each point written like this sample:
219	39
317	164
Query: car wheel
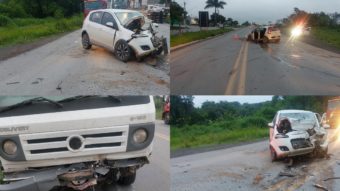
273	154
127	180
265	40
123	51
86	41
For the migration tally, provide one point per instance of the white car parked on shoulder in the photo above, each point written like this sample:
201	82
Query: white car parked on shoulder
122	31
296	132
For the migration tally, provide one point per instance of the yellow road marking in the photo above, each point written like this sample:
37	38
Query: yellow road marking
242	81
167	138
238	74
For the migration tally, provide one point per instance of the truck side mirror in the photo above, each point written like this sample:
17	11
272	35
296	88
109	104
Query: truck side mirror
270	125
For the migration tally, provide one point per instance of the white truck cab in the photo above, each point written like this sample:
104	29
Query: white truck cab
75	142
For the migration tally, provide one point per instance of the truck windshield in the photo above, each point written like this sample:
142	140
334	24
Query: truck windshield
16	106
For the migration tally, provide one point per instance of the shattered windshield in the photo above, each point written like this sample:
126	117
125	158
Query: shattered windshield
300	121
125	17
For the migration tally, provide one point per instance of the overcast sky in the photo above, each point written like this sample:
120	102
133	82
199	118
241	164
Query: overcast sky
198	100
262	11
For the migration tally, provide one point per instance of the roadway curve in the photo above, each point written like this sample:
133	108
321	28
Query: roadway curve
249	167
228	64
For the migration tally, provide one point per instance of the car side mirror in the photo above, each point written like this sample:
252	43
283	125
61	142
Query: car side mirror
270	125
111	25
155	25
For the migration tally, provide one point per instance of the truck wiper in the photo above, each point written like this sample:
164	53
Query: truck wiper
31	101
114	98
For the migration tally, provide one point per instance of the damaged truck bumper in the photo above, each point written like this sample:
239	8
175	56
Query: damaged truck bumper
48	178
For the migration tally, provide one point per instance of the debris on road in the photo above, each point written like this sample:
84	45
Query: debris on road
320	187
258	178
11	83
331	178
286	174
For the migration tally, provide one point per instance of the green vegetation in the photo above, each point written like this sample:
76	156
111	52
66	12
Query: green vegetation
230	122
26	20
159	106
193	36
330	35
23	30
215	133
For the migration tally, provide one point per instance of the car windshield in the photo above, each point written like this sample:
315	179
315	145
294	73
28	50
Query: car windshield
125	17
300	121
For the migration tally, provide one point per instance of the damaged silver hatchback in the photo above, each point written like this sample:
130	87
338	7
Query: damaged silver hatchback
124	32
296	132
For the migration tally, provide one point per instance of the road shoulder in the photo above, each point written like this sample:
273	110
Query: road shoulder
14	50
203	149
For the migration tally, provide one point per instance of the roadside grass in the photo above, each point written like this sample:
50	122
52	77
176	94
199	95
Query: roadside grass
29	29
187	37
192	136
159	114
328	35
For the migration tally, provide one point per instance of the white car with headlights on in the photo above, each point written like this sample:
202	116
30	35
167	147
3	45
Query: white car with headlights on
74	142
296	132
265	34
125	32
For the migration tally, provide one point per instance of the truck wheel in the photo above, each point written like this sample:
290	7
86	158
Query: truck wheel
167	118
265	40
86	41
127	180
273	154
123	51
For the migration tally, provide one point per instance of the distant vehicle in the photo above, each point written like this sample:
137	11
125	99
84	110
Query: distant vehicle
90	5
296	132
122	31
265	34
333	113
166	110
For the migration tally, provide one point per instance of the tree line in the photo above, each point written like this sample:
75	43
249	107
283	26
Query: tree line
40	8
312	19
183	111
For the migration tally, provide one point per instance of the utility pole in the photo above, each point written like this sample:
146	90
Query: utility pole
185	10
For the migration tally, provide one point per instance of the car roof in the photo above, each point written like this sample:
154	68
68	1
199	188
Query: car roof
115	10
294	111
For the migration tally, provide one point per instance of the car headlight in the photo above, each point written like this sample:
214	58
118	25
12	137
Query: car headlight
10	147
140	136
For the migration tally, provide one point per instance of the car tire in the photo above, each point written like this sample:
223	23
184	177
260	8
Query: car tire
127	180
86	41
265	40
273	154
123	51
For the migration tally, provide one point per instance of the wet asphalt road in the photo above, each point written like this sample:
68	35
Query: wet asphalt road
230	65
63	67
156	175
249	167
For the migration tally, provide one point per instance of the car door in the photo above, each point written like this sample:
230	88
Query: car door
94	26
109	30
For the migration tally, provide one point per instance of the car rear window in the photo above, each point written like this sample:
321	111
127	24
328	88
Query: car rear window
96	16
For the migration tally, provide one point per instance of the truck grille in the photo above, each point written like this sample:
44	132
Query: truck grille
300	143
53	145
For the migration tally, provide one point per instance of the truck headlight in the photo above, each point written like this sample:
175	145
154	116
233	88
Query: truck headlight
140	136
10	147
